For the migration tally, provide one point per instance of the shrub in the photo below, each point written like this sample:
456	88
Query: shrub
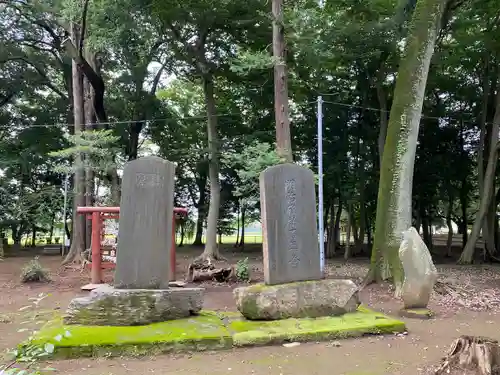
242	270
33	272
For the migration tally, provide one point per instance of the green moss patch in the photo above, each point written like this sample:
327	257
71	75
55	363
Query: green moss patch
208	330
421	313
362	322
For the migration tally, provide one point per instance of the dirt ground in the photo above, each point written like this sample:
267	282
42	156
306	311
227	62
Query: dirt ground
472	308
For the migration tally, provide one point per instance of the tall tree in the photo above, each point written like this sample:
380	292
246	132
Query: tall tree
78	233
283	139
394	208
204	35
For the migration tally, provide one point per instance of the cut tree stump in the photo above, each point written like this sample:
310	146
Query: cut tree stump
471	355
200	270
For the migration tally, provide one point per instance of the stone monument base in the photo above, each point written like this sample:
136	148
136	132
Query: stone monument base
305	299
210	330
106	306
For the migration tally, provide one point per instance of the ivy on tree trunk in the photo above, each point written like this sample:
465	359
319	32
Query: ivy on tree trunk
396	174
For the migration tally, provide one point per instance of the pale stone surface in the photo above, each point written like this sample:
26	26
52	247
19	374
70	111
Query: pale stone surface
90	287
289	229
145	228
297	300
418	313
420	271
127	307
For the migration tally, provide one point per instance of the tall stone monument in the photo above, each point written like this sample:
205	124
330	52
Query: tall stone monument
292	270
144	238
290	234
141	292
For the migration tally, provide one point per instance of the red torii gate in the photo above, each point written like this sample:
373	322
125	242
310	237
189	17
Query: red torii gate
98	215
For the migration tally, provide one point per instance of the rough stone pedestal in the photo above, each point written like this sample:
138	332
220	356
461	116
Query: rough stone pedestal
107	306
306	299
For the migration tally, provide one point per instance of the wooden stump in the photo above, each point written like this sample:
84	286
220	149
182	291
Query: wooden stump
204	270
469	355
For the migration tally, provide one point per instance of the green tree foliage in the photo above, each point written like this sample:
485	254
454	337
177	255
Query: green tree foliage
192	81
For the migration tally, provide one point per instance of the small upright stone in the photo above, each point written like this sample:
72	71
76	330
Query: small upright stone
145	228
290	234
420	271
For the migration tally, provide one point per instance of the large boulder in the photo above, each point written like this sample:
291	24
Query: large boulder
297	300
106	306
420	271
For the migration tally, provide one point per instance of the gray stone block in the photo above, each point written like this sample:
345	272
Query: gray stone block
307	299
145	228
289	229
106	306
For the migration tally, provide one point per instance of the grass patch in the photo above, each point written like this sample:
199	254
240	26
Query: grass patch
209	330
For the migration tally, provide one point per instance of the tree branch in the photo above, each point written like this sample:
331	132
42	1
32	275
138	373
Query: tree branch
195	53
6	99
157	78
83	27
94	79
41	73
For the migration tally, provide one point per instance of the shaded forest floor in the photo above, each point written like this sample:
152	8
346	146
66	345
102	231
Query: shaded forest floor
470	305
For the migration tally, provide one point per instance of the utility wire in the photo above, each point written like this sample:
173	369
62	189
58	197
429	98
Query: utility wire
204	117
386	111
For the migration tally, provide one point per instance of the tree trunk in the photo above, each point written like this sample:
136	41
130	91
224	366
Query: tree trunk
78	240
368	233
330	232
347	251
360	242
238	220
489	223
211	249
426	230
487	194
51	231
69	233
354	229
471	355
449	240
114	180
201	206
482	122
198	239
336	226
90	119
497	225
183	233
17	235
396	174
465	222
243	218
382	100
33	236
283	139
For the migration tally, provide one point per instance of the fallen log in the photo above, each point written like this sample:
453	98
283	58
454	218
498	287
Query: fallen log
204	270
471	355
220	275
